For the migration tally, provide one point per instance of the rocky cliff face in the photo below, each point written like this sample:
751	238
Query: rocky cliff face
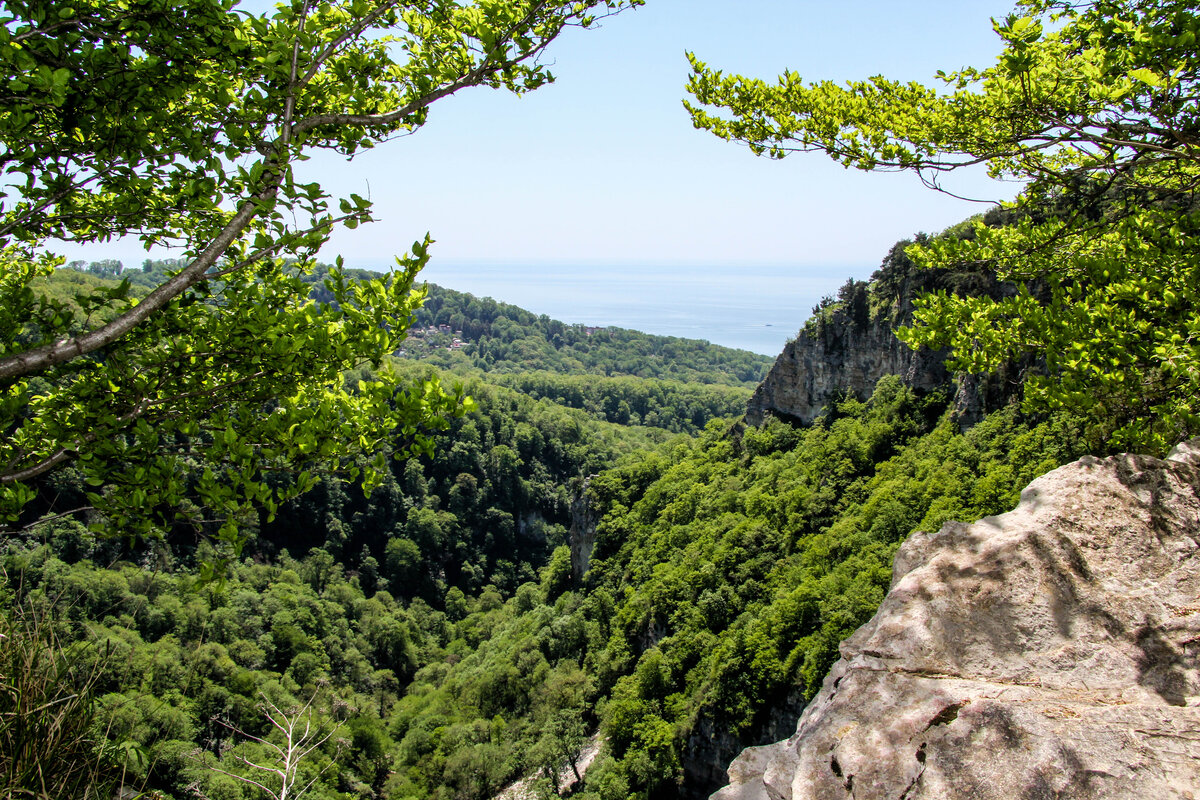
850	344
709	747
838	356
582	536
1053	651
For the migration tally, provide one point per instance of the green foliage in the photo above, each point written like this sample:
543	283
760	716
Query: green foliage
1091	106
175	674
50	746
501	338
741	564
146	427
185	124
488	506
672	405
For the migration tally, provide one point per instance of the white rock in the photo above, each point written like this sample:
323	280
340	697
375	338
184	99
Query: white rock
1050	652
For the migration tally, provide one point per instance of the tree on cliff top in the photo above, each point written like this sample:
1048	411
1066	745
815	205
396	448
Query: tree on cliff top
1093	106
182	122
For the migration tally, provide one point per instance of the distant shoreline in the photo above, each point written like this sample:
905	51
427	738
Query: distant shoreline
748	308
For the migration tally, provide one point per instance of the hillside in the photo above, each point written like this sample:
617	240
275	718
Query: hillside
450	609
273	529
457	329
725	572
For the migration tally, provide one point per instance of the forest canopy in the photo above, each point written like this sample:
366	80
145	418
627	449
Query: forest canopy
1092	106
605	553
184	124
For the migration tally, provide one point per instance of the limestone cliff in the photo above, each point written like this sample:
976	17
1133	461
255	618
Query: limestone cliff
1053	651
836	356
582	536
850	343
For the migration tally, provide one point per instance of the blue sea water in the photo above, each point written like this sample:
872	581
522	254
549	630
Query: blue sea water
752	308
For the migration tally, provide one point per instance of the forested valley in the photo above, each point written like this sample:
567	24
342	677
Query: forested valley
440	628
271	527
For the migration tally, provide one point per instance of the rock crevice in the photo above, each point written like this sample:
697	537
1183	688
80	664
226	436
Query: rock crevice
582	534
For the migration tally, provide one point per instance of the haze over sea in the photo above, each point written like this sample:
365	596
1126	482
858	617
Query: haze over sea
752	308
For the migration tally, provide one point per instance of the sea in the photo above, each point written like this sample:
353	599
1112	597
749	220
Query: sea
756	308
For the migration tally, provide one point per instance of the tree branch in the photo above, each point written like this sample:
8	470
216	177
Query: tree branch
354	30
289	106
45	357
470	78
64	454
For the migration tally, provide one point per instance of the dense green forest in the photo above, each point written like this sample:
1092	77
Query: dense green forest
443	633
498	337
438	626
258	541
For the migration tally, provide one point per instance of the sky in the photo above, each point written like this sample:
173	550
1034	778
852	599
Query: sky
604	167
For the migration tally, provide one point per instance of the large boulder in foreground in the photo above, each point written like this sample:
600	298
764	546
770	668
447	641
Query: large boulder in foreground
1050	652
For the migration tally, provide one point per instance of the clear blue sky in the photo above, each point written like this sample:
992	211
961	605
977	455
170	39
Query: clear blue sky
604	167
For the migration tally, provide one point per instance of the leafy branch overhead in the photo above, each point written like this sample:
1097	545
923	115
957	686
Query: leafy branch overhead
1093	108
185	123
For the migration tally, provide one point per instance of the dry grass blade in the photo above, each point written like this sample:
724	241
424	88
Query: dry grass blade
49	746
